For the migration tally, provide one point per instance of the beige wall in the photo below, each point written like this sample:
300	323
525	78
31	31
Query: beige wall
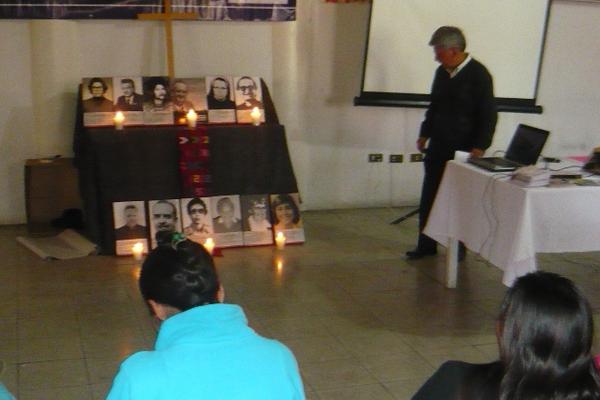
313	67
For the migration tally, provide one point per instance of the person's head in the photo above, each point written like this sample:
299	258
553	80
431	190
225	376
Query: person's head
247	86
157	90
178	275
219	89
164	216
127	87
97	87
131	215
285	210
226	209
545	331
449	46
197	211
180	91
258	211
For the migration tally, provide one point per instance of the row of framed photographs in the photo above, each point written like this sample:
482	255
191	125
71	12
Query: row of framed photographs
230	220
158	100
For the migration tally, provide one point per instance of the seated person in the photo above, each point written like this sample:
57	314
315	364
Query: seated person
545	333
204	348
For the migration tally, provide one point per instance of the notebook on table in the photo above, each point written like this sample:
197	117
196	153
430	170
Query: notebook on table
524	149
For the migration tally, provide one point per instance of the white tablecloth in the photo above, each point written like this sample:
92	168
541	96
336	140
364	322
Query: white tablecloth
508	224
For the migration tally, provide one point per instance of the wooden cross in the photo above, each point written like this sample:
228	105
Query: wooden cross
168	17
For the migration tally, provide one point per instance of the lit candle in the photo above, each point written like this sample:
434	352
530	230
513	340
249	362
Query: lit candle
137	250
192	118
209	245
280	240
119	119
255	114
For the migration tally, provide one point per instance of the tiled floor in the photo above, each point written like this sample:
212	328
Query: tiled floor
362	322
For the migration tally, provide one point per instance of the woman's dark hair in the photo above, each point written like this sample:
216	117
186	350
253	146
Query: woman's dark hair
100	80
151	84
195	201
179	273
285	199
546	337
211	93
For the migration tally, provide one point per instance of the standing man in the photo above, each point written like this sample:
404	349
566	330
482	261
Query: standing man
461	116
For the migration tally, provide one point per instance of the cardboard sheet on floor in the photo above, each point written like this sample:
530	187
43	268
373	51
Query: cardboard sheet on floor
66	245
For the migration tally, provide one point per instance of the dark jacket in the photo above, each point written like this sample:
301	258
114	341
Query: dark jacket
462	114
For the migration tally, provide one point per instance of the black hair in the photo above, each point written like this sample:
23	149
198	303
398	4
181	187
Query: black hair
211	93
179	273
245	77
128	80
96	79
195	201
151	84
285	199
545	342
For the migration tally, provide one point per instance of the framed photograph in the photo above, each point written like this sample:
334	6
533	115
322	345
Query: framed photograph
248	95
164	216
286	216
197	219
219	99
227	224
130	226
256	219
128	99
188	94
158	106
97	101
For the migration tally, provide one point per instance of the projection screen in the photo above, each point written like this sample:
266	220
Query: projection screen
507	36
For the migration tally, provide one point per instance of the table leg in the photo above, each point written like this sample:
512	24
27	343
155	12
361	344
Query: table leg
451	263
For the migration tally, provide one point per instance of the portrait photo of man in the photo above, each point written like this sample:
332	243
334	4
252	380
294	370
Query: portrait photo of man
227	211
179	94
196	221
129	218
97	96
129	100
163	217
247	93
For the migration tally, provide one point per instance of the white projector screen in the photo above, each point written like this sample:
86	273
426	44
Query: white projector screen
507	36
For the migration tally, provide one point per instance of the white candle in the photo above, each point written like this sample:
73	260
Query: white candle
137	250
192	118
209	245
119	119
255	114
280	240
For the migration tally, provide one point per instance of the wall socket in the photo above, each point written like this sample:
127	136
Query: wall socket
375	157
396	158
416	157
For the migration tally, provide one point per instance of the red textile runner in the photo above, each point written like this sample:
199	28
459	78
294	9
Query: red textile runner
194	157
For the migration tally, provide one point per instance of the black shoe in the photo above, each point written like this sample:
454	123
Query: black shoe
417	254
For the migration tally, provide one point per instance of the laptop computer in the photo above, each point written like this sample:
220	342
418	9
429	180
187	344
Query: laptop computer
524	149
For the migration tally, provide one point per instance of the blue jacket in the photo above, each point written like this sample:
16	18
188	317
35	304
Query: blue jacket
209	352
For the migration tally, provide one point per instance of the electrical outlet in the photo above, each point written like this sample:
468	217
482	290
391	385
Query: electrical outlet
396	158
375	157
416	157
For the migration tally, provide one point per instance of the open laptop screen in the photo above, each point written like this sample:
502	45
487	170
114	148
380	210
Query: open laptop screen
526	145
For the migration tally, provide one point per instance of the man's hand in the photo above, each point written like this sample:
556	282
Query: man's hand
477	153
421	142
